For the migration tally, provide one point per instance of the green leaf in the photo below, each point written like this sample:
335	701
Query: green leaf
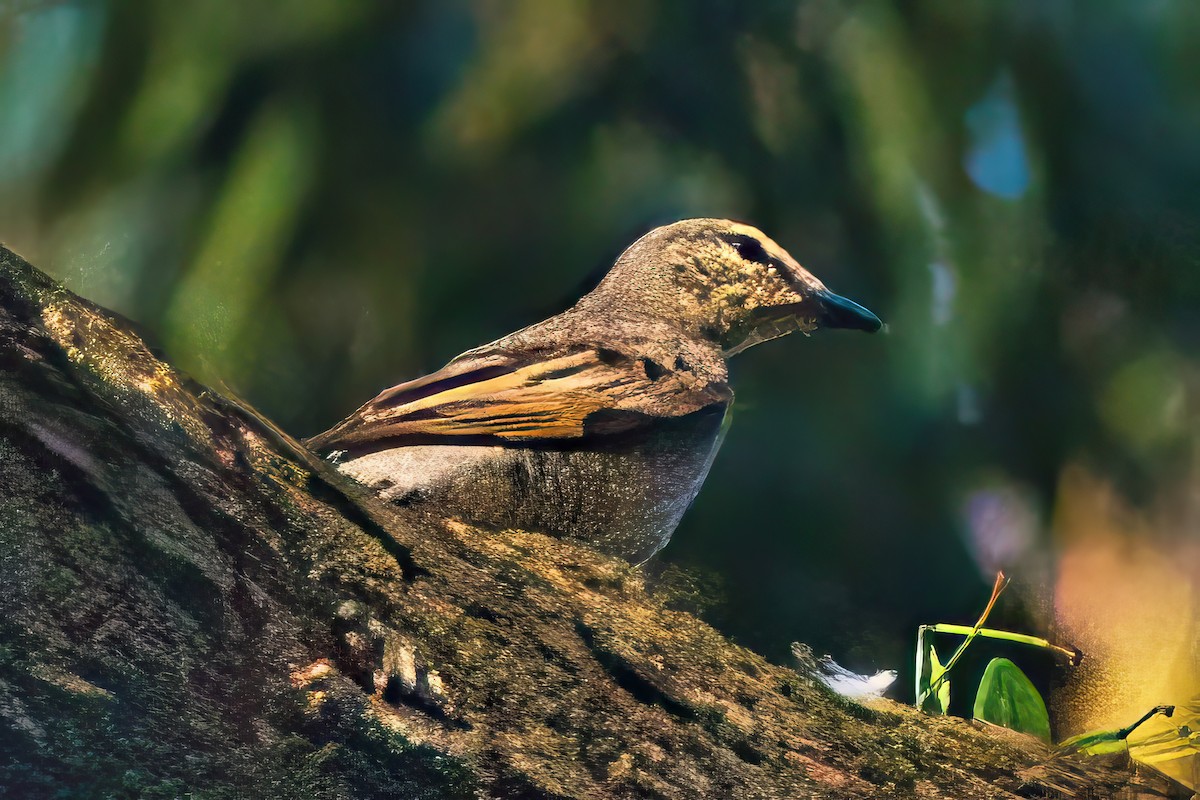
1094	743
1007	697
937	701
943	697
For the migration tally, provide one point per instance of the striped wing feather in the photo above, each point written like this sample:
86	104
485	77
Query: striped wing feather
530	397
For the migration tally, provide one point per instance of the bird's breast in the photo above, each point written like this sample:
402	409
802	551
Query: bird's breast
622	497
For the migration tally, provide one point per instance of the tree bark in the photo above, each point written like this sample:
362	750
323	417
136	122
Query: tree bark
194	603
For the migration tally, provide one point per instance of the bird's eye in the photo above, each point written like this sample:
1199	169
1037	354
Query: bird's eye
750	249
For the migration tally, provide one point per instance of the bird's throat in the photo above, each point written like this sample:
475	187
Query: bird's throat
767	324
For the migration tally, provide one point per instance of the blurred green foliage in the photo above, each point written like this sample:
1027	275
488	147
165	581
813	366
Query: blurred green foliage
309	201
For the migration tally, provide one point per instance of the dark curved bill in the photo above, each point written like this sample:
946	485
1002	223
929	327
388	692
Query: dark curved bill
838	312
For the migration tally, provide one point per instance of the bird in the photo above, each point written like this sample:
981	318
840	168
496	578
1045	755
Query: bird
600	424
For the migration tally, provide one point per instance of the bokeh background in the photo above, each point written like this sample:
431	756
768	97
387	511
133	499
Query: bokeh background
308	201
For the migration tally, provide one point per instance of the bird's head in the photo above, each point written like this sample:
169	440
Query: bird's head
730	282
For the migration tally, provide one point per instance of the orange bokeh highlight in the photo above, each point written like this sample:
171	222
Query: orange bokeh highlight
1127	594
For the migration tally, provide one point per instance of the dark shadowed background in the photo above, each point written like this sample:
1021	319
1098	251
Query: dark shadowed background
306	202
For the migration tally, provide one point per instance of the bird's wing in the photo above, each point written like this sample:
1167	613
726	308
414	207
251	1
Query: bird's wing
530	397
